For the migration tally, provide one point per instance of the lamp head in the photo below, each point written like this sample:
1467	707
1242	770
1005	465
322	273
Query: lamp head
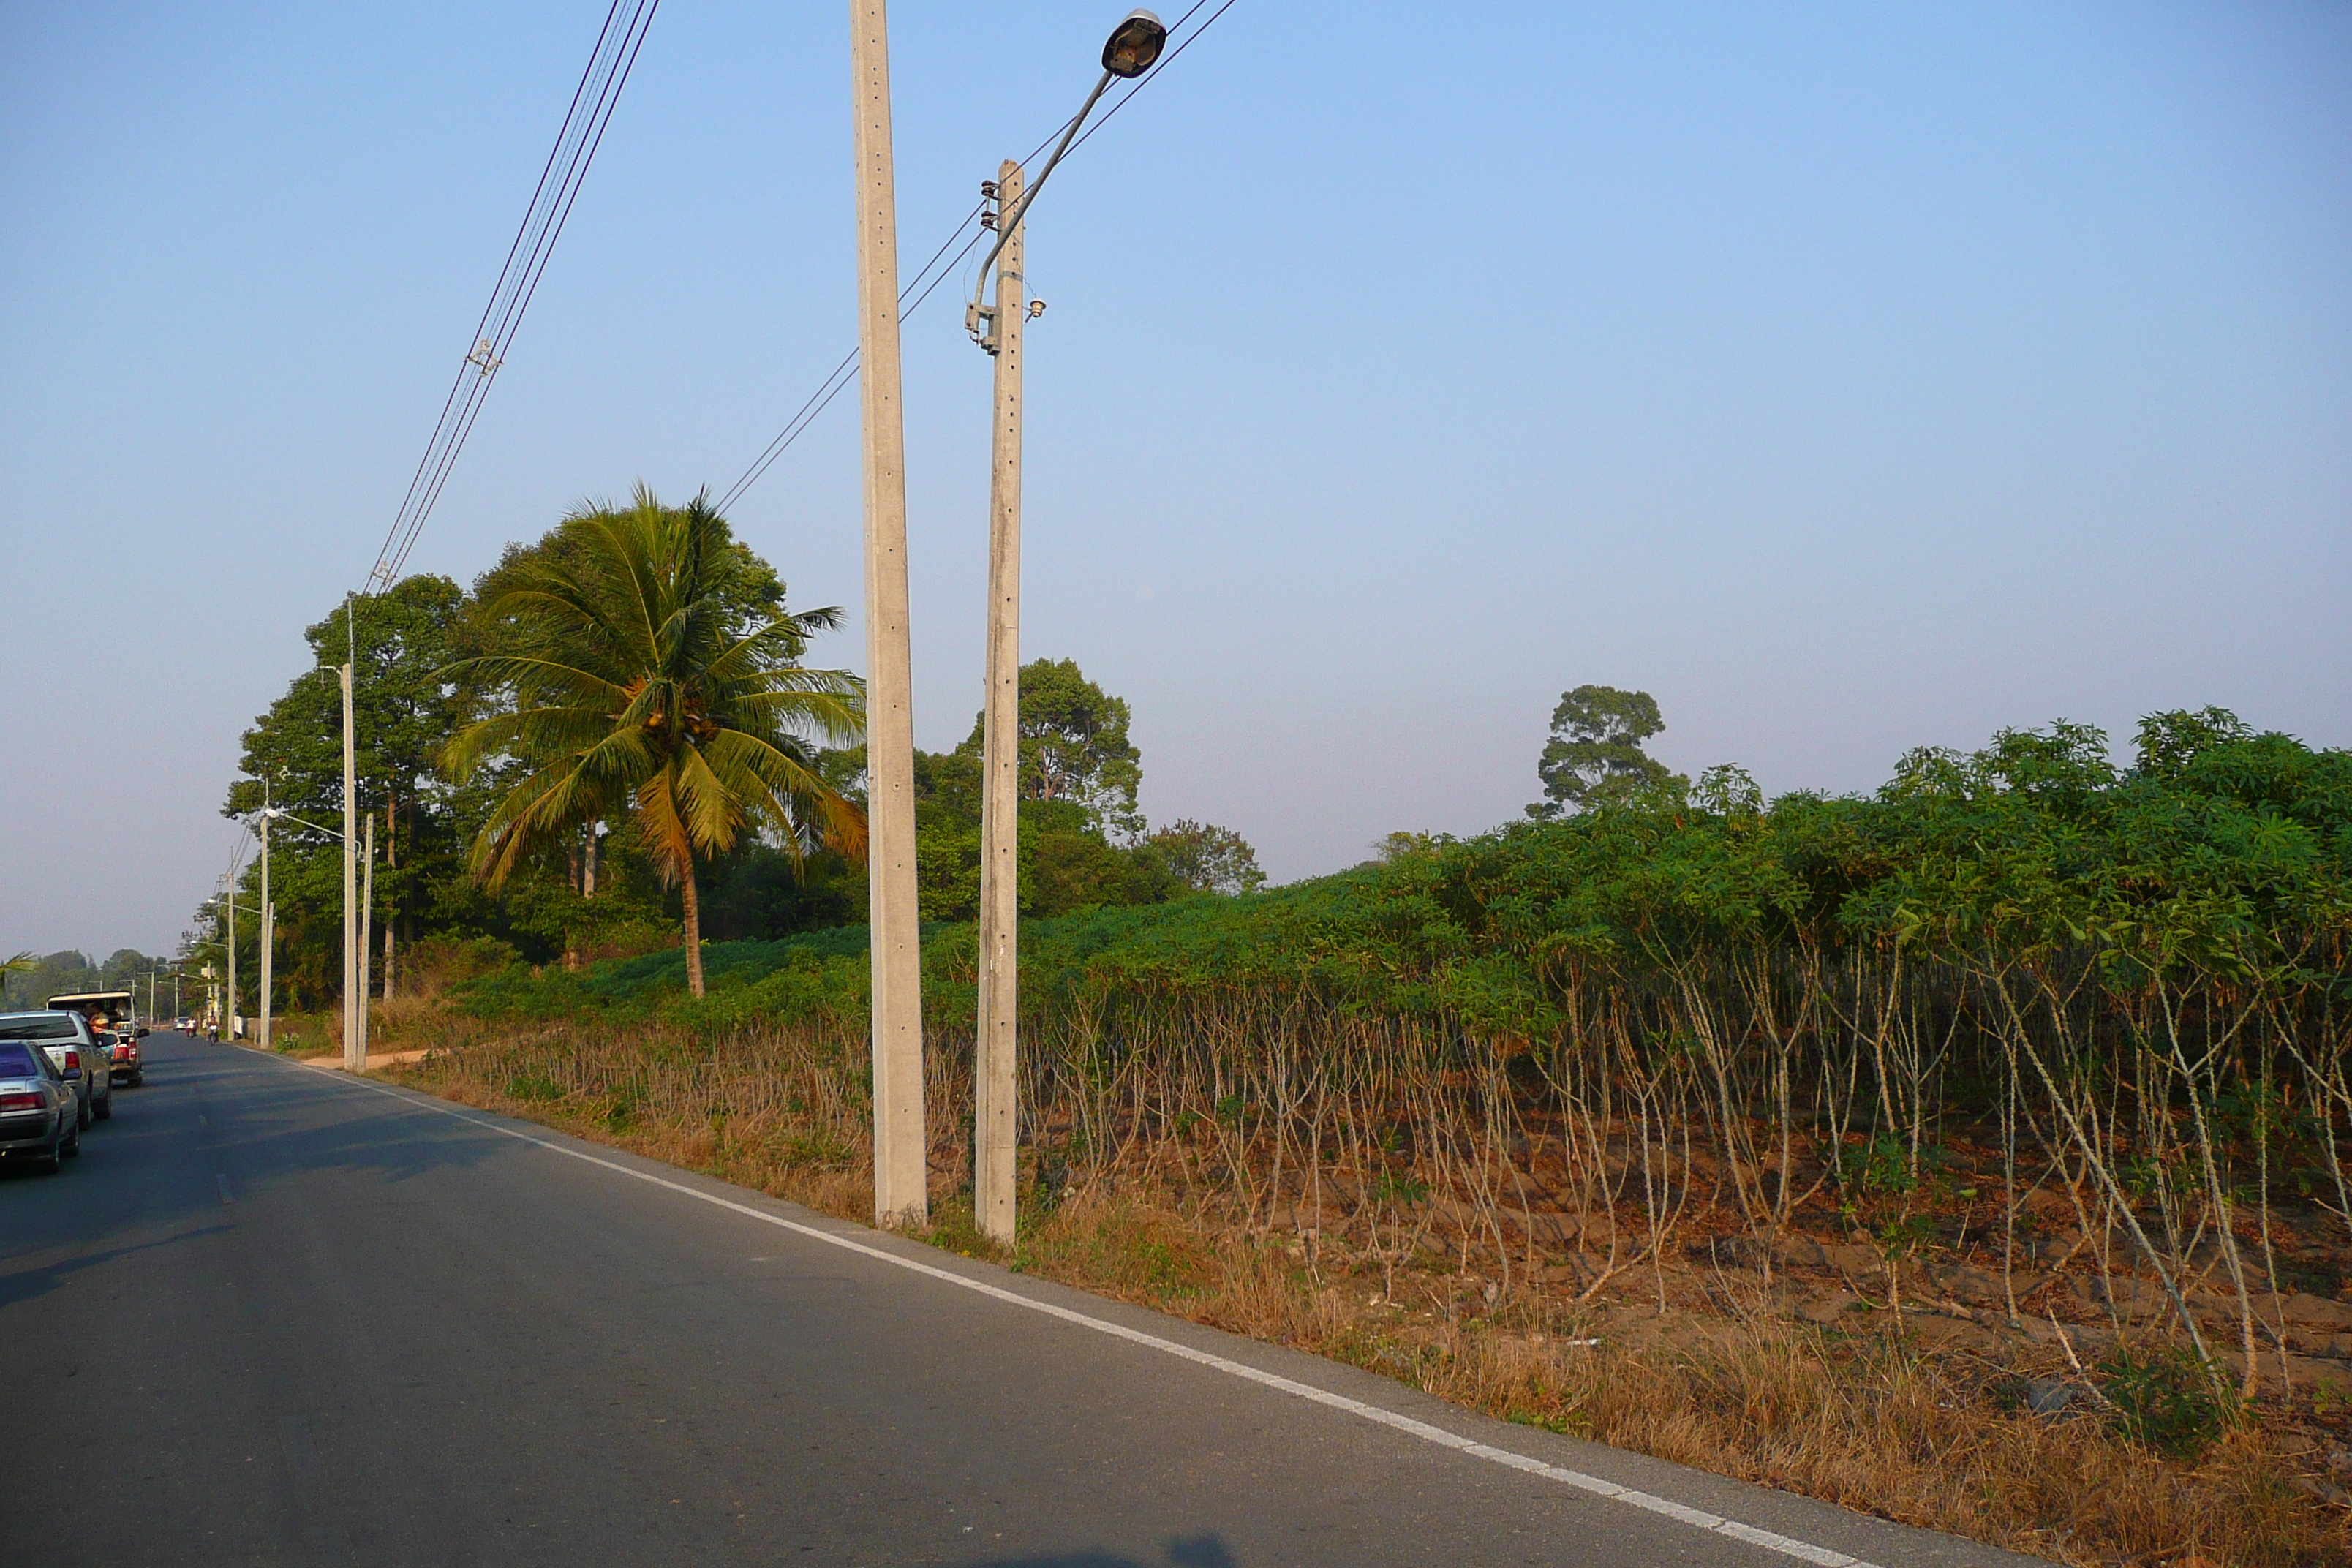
1135	44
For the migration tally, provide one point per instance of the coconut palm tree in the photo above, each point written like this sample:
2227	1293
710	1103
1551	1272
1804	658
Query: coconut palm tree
627	671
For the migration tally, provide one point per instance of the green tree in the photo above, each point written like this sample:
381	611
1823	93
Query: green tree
1074	746
1595	755
622	673
1206	858
404	709
2171	740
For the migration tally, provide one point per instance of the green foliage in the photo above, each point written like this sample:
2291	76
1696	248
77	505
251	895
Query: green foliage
2170	741
1594	755
402	710
1206	859
1080	832
28	980
1074	746
2167	1398
1880	1167
2240	865
628	671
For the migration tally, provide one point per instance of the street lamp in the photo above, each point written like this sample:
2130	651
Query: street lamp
1132	49
1134	45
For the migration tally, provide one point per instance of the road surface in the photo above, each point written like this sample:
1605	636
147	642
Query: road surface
296	1319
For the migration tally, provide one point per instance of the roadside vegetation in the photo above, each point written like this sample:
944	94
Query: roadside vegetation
1971	1154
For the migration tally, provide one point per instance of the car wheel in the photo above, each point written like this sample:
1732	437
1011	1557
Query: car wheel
138	1078
67	1149
81	1114
48	1164
106	1106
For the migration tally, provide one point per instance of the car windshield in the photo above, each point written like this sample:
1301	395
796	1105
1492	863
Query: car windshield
16	1061
37	1026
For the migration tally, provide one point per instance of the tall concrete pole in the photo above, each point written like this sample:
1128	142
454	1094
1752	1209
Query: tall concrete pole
228	1022
353	1044
392	859
367	917
269	916
996	1081
900	1146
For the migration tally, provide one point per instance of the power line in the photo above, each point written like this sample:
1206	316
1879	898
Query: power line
582	133
846	371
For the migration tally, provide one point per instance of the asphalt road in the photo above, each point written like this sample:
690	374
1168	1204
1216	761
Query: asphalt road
274	1316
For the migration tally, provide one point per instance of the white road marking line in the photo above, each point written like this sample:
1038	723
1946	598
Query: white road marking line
1437	1436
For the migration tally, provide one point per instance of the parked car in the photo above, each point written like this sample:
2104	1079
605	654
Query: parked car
40	1111
68	1039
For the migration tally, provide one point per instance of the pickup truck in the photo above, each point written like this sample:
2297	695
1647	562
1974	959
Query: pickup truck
113	1018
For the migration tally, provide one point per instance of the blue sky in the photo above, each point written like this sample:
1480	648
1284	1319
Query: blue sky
1850	377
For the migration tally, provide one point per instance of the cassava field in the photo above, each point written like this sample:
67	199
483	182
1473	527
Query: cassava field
1973	1153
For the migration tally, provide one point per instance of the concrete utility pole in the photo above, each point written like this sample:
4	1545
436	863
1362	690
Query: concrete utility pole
1133	47
228	898
354	1045
900	1146
996	1089
367	920
269	916
392	859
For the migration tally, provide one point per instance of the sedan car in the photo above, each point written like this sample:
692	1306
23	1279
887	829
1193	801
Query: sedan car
40	1111
80	1055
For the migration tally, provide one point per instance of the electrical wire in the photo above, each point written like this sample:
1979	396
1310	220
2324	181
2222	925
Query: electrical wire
576	143
846	371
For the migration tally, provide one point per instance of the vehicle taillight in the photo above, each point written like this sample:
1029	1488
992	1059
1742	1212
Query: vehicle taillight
73	1061
20	1102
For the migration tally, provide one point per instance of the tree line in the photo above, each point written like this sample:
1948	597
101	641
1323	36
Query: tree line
29	979
613	742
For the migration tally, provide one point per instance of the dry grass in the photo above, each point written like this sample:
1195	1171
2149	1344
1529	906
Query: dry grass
1723	1377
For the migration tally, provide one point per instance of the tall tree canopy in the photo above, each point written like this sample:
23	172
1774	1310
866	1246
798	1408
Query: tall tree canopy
1206	858
624	671
404	707
1074	746
1595	755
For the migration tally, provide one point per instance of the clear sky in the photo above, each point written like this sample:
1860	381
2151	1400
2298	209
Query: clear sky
1849	376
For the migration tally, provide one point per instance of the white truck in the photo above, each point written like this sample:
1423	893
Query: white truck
113	1018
